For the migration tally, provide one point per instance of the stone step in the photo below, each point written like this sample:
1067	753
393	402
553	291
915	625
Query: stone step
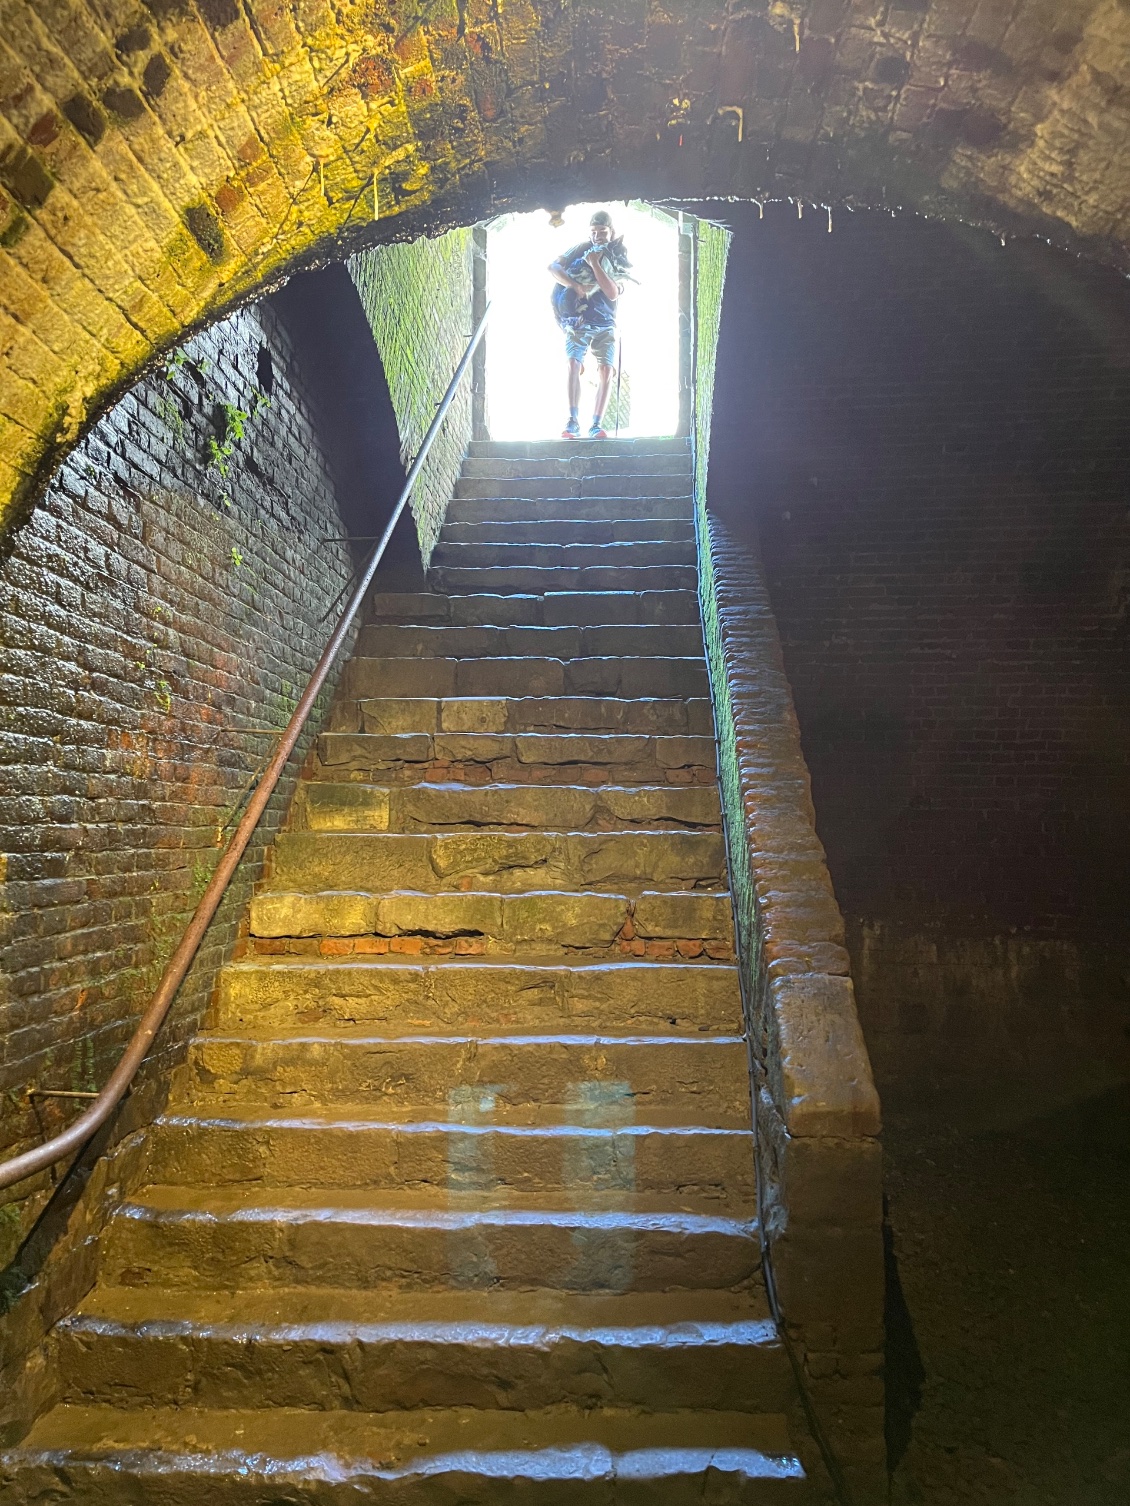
221	1238
320	805
566	449
534	715
585	462
540	579
604	675
414	995
608	1078
508	555
397	640
498	861
554	609
539	488
539	757
324	1350
514	511
179	1456
339	1150
537	923
571	531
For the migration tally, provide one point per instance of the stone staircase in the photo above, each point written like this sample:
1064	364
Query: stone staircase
454	1198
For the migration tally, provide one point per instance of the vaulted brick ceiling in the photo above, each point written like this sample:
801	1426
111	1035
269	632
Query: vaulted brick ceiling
160	161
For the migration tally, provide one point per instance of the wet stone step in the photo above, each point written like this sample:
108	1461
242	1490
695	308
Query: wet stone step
443	640
551	609
620	511
572	531
215	1238
181	1456
499	861
414	995
534	488
551	921
321	1350
571	556
354	807
550	716
356	1148
602	675
579	463
539	579
564	449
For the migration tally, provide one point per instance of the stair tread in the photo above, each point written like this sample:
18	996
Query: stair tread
532	1317
567	1445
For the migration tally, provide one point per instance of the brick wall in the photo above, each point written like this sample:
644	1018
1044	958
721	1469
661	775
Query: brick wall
927	432
159	613
418	300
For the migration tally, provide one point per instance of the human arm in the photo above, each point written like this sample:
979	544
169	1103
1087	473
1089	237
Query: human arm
610	289
558	273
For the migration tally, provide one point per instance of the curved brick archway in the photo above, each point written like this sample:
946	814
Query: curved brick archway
161	161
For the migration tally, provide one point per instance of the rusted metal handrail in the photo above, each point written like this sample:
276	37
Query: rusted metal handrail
77	1134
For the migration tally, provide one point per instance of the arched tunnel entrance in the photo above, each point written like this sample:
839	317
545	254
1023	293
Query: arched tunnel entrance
915	473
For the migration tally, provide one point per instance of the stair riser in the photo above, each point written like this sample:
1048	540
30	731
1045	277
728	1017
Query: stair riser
354	807
571	531
544	922
617	997
666	678
223	1254
518	510
687	1164
584	464
210	1367
537	488
655	641
524	578
692	1082
566	715
569	608
500	862
573	556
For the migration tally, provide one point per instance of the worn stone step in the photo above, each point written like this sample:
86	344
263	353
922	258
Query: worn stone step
566	449
499	861
585	462
507	555
608	1078
325	1350
554	609
633	483
531	715
222	1238
571	531
181	1456
508	757
320	805
448	641
513	511
362	1150
544	924
408	996
540	579
604	675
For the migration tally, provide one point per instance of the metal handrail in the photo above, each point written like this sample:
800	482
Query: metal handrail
77	1134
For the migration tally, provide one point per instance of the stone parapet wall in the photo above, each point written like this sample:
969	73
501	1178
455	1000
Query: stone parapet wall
819	1158
418	301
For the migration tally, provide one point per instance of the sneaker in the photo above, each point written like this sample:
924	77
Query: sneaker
597	432
572	430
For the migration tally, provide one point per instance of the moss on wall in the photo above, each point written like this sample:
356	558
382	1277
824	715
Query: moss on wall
418	301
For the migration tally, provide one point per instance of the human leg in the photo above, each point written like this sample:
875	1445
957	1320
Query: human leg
603	348
576	348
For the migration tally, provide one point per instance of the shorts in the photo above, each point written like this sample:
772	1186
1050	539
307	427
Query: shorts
602	342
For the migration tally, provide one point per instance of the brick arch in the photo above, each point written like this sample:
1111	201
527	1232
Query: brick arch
159	162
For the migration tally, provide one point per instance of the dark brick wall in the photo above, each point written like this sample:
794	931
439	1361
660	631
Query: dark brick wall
162	606
928	433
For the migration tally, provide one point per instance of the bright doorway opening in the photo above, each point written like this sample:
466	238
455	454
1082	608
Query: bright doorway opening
525	349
